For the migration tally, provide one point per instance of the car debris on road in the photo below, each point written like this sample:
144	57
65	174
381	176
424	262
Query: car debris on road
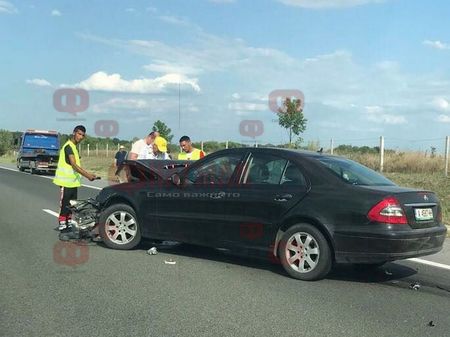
152	251
414	286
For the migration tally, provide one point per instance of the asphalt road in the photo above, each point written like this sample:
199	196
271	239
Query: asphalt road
48	288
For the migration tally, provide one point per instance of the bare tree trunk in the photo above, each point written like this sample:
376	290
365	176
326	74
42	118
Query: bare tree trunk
290	137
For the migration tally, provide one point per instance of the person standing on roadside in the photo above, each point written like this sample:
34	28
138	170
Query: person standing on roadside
143	149
160	149
188	151
119	157
68	176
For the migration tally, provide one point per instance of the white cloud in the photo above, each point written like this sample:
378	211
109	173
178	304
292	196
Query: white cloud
102	81
441	103
443	119
377	114
118	103
39	82
56	12
174	20
151	9
247	106
323	4
7	8
437	44
161	66
130	10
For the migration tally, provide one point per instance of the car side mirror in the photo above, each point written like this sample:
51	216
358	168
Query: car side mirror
175	178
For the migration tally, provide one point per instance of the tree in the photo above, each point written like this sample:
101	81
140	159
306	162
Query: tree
6	141
163	129
290	116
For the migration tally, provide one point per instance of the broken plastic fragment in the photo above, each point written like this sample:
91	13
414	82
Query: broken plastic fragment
152	251
387	272
414	286
169	261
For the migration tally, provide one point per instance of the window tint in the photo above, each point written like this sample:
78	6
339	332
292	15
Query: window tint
216	171
263	169
293	176
354	173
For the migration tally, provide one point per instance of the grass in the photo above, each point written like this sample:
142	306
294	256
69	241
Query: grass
408	169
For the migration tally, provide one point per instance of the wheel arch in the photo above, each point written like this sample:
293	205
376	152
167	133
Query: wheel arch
304	219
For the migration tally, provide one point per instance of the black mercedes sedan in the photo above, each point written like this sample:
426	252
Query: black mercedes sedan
307	210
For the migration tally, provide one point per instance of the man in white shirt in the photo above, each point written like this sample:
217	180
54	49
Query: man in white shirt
143	148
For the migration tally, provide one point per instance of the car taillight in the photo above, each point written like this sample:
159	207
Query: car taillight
439	215
389	211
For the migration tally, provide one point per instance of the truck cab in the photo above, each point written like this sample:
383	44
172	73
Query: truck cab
38	151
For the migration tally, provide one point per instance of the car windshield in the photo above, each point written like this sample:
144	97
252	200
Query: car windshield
41	141
354	173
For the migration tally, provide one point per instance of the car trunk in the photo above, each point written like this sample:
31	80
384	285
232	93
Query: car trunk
422	208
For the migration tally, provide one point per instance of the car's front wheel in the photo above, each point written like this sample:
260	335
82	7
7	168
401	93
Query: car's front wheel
305	253
119	227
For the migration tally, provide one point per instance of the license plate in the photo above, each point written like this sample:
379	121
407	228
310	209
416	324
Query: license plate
423	214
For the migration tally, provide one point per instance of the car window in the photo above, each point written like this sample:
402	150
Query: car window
264	169
216	171
293	176
354	173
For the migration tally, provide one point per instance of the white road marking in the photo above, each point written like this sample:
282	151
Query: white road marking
46	177
9	169
49	211
431	263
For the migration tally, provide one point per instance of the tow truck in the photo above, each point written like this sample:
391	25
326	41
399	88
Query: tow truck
38	151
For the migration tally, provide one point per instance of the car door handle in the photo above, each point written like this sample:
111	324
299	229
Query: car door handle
284	197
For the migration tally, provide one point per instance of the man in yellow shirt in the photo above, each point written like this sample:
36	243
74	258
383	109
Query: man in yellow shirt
189	152
68	176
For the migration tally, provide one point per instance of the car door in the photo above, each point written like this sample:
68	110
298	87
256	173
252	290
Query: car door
269	187
198	209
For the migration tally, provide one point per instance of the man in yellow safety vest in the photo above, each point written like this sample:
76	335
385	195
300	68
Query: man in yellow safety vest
68	176
189	152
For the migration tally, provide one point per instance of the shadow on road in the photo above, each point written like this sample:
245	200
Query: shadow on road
343	272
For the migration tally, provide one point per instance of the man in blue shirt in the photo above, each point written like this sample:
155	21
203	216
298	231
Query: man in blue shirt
120	156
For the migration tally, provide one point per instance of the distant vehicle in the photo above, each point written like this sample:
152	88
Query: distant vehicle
38	151
307	209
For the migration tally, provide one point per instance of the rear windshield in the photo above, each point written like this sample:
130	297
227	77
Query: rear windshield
41	141
353	173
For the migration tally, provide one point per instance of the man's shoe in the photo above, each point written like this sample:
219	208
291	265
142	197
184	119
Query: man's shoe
96	238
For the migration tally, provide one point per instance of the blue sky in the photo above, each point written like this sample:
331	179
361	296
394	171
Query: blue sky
367	68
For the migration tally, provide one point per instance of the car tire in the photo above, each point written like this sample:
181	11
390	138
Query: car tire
307	260
119	227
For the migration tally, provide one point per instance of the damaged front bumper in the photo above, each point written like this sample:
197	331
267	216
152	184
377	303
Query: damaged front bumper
85	214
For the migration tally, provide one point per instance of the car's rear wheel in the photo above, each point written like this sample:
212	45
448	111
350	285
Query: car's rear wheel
119	227
305	253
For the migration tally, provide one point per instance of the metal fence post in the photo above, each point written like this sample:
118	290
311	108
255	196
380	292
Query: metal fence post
381	153
447	145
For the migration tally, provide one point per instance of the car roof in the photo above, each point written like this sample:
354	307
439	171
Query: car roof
278	150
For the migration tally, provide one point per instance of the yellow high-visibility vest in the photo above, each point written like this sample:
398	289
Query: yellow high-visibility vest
196	154
65	175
